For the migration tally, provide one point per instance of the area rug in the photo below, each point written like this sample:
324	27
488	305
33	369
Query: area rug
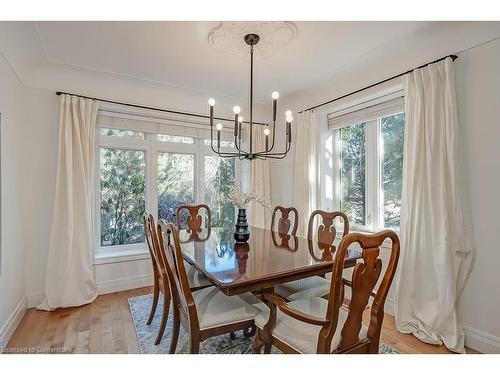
140	307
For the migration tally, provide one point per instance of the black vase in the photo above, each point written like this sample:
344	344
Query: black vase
241	233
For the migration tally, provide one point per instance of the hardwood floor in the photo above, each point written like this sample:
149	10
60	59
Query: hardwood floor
105	326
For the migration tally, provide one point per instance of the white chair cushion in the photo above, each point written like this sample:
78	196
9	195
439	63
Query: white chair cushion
195	278
315	286
216	309
303	337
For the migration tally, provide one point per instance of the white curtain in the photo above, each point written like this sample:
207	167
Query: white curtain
305	177
69	280
261	182
436	231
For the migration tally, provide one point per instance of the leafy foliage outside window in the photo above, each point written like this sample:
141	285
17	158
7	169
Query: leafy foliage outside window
121	133
219	178
223	143
123	201
175	138
392	129
175	183
352	172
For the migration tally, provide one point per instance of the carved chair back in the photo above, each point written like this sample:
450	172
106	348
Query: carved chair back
159	265
284	223
364	279
179	285
194	218
326	231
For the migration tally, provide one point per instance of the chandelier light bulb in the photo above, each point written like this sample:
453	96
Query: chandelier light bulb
219	126
275	95
236	109
240	118
289	119
211	102
288	113
266	131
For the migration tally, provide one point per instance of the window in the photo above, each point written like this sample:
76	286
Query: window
353	172
362	164
121	133
140	171
123	201
392	129
219	178
174	138
175	183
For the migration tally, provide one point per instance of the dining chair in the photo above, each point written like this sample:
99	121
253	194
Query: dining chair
326	233
317	325
284	223
196	219
206	312
160	276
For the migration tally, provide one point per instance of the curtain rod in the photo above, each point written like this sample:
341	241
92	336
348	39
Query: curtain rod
155	109
454	57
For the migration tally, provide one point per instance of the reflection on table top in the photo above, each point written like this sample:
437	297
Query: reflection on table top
266	259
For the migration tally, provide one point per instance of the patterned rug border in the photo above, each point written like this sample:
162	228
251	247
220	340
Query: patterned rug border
140	307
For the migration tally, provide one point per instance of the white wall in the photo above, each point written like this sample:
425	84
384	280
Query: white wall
12	109
478	88
478	95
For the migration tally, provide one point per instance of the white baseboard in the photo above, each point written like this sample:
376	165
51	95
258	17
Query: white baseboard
481	341
126	283
11	324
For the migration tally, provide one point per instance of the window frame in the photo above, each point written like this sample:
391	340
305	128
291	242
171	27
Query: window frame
151	147
330	194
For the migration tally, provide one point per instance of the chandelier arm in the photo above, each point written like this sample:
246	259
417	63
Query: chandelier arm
283	153
274	137
238	147
224	153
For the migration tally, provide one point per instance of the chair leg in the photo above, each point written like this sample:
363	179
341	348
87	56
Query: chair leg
156	293
232	335
164	318
175	332
194	344
257	343
267	348
250	332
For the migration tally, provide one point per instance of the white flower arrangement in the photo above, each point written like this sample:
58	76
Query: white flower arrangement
242	200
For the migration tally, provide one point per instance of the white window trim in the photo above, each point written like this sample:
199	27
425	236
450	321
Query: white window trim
151	146
329	140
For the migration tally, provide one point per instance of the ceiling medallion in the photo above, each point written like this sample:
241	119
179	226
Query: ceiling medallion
250	153
229	37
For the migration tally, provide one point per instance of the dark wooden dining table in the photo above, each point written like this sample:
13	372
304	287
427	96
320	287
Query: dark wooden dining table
267	259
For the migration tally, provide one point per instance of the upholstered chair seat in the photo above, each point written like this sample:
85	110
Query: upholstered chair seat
215	309
315	286
301	336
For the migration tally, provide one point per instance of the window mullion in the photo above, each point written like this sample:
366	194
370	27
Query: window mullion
337	162
199	172
152	178
380	190
372	171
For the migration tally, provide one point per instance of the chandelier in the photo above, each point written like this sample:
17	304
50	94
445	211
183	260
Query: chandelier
250	153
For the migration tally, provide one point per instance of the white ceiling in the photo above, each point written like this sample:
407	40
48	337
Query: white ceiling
178	53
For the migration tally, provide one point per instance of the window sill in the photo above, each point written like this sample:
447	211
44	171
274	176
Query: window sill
117	256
